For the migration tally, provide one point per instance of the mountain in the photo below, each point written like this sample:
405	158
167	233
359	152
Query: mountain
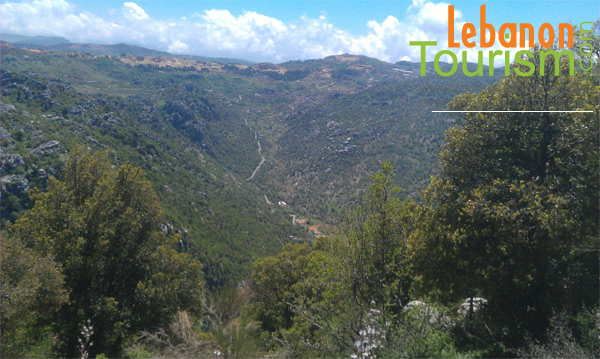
62	44
244	157
21	40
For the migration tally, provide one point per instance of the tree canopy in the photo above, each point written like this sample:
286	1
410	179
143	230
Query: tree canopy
516	204
100	225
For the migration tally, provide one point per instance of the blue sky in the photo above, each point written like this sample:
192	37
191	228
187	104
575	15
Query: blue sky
353	15
275	31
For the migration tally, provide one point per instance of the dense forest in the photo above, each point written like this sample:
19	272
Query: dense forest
481	243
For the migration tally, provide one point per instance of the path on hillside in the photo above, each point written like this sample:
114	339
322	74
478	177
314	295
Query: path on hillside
262	158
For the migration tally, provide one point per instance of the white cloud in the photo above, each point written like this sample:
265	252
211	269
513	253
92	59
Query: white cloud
132	11
250	35
179	47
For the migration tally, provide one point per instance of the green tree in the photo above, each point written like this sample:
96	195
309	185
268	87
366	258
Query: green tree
376	232
32	291
516	203
321	300
302	301
100	225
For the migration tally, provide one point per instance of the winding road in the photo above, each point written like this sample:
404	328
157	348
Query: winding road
262	158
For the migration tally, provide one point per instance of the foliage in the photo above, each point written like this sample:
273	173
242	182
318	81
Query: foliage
515	204
223	332
336	297
32	291
585	327
377	232
299	298
559	343
180	341
512	217
223	220
233	333
122	274
422	332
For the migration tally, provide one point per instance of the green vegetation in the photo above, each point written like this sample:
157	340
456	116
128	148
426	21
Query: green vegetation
163	238
512	218
195	134
99	227
188	161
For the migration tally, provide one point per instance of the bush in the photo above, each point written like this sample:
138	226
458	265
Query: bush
422	331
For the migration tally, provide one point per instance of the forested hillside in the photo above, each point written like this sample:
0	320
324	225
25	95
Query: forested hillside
43	119
322	126
165	207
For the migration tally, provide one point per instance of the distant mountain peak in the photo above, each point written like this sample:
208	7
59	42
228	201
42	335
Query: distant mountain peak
34	40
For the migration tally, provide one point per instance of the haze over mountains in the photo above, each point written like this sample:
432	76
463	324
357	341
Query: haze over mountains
61	44
244	157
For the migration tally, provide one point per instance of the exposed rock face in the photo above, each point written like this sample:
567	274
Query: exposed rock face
46	148
465	308
43	173
11	160
4	134
14	183
6	107
167	228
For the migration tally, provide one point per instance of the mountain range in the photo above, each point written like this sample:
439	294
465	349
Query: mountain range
245	157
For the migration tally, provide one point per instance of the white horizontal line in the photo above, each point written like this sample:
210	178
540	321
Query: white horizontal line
513	111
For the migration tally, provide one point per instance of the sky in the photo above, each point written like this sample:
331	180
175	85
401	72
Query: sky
278	31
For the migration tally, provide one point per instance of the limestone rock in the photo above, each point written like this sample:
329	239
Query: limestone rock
478	303
46	148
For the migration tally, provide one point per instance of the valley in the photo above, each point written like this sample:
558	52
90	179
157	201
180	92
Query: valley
216	138
170	206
